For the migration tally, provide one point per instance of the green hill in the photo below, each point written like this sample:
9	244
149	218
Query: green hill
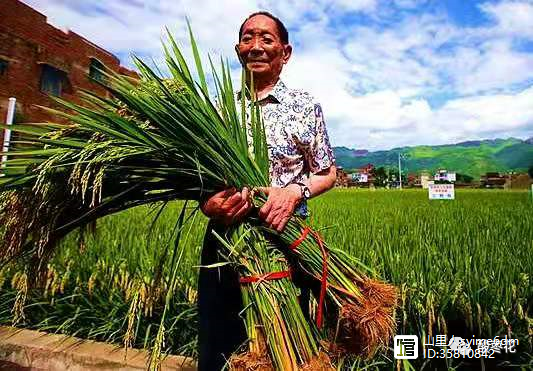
472	157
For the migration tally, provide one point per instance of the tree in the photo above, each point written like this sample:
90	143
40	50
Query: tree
464	178
530	171
380	176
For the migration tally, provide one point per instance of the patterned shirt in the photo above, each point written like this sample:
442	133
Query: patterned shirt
298	143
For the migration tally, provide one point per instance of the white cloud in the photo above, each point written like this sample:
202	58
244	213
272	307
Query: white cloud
355	5
399	57
493	66
490	113
375	81
126	26
384	120
513	17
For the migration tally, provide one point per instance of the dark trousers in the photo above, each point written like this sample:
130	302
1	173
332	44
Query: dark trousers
221	329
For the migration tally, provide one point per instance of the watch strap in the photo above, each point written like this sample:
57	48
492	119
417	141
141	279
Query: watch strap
305	191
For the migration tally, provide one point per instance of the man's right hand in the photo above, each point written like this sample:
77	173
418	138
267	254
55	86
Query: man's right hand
228	206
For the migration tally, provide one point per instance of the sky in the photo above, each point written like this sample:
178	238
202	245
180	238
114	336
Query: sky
388	73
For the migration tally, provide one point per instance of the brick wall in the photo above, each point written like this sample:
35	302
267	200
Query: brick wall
27	42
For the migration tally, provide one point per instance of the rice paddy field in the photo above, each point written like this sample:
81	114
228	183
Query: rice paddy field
463	268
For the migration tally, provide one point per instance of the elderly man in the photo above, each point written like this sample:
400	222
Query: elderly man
301	167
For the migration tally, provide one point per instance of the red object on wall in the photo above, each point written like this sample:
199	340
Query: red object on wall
37	59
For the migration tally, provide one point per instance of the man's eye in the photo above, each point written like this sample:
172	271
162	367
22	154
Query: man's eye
268	40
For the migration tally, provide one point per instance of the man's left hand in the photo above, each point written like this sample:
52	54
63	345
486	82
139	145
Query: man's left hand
280	205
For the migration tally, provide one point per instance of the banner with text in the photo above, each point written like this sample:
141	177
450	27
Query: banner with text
441	191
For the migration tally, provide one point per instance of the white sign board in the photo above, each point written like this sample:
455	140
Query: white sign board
360	177
441	191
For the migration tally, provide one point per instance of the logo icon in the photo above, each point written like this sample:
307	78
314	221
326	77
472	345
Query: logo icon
406	347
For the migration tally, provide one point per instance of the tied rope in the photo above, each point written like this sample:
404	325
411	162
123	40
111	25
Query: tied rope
287	274
272	276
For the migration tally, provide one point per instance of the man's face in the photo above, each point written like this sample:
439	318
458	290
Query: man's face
260	48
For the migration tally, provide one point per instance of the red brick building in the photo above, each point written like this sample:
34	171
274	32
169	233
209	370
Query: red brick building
38	60
493	180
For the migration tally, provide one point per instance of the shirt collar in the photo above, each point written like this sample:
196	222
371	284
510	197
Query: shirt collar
277	92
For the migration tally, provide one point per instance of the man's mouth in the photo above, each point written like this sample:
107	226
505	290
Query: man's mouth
256	61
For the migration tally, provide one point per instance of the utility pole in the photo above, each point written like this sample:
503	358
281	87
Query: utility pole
400	169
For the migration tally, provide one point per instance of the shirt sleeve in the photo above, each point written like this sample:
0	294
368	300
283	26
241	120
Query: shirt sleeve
320	155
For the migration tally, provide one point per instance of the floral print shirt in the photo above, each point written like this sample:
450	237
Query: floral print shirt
298	143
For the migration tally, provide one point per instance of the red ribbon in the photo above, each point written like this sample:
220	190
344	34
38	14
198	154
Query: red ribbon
266	277
324	280
300	239
287	274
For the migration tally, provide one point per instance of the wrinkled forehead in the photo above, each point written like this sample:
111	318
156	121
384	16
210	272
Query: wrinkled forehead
260	24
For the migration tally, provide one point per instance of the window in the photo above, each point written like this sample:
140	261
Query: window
3	67
95	70
54	81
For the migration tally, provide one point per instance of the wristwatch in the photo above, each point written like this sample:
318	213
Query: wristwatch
306	192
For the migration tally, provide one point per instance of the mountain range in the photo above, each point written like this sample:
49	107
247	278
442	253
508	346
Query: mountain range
474	158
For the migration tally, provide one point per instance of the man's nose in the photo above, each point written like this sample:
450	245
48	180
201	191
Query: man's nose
257	45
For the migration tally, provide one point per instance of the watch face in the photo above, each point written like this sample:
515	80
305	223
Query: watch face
307	192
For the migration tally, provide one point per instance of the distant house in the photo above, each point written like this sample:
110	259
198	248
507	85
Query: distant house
362	177
425	178
444	175
367	168
518	181
493	180
413	180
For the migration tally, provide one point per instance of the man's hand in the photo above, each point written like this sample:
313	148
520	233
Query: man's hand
280	205
228	206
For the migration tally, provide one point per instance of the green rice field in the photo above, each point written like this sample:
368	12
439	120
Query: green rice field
462	267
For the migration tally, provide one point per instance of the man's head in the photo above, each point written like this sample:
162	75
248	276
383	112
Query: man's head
263	46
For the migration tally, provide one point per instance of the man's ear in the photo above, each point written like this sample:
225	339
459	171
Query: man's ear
287	50
239	54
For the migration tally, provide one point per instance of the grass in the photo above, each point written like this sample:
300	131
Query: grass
464	267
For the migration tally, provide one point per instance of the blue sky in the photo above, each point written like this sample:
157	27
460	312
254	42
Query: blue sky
388	73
